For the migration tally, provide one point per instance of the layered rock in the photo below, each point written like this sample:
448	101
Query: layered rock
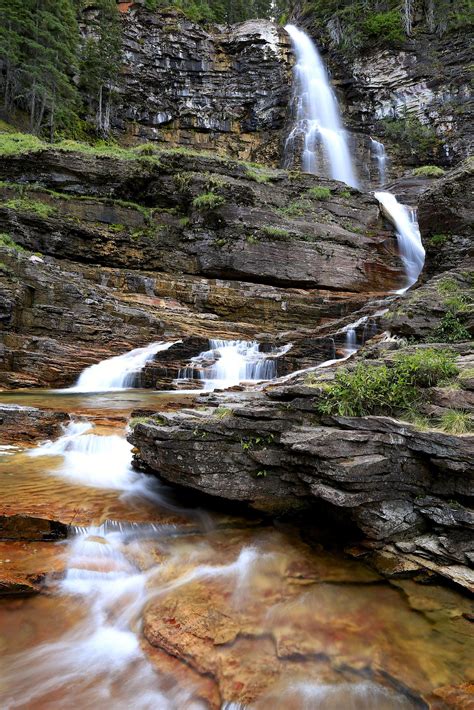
399	484
216	88
136	248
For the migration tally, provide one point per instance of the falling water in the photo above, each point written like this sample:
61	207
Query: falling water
229	362
118	372
317	113
378	151
408	236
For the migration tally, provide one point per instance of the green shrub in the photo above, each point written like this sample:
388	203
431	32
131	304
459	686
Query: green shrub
408	131
438	239
260	176
428	171
456	421
397	387
319	193
9	243
276	232
450	330
384	27
208	201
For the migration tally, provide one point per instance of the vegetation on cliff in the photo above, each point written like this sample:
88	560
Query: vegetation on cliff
361	24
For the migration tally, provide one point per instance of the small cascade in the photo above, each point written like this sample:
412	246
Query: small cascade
229	362
317	114
378	151
119	372
408	236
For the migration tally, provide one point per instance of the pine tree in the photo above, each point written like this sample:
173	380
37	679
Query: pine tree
38	51
100	63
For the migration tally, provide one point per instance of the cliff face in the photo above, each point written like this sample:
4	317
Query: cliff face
425	79
217	88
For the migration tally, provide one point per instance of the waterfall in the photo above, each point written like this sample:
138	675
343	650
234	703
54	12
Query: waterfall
408	236
378	150
317	113
229	362
118	372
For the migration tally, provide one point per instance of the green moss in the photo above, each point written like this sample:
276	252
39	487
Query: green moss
7	242
222	412
428	171
20	143
184	221
456	421
319	193
24	204
276	232
345	194
390	388
208	201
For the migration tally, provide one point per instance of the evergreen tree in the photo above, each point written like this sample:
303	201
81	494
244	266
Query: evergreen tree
100	63
38	56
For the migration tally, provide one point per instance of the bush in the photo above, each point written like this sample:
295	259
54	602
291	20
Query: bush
384	27
450	330
319	193
408	130
208	201
7	241
428	171
397	387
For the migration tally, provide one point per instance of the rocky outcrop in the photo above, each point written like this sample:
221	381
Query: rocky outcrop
107	253
423	83
215	88
20	424
402	486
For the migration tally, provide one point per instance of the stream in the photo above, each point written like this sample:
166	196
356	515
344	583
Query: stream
156	602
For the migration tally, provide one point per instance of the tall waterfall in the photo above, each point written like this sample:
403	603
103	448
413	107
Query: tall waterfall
317	114
118	372
408	236
229	362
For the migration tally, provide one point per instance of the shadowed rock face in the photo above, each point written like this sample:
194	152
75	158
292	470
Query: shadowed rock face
402	486
218	88
129	256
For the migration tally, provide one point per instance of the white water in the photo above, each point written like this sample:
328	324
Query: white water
118	372
378	151
317	114
408	236
229	362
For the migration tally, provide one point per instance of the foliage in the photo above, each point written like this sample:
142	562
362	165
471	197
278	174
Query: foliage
276	232
39	42
260	176
408	131
297	208
24	204
386	26
450	330
220	10
9	243
396	387
19	143
208	201
456	421
438	239
319	193
99	62
428	171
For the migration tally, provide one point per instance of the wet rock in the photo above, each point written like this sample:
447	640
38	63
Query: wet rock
22	424
28	527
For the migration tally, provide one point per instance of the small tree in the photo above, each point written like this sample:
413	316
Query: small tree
100	62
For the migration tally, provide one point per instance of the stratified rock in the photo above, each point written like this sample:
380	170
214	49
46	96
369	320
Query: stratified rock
219	88
272	451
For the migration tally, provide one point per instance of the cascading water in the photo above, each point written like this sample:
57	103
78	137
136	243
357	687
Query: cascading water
378	151
317	114
229	362
118	372
408	236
